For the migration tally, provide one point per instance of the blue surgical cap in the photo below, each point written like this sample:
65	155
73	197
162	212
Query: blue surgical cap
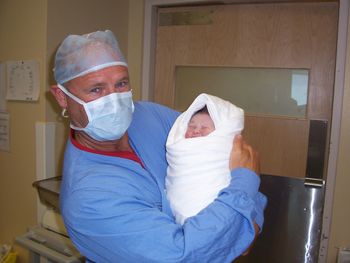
79	55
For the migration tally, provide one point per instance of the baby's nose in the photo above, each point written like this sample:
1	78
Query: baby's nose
197	132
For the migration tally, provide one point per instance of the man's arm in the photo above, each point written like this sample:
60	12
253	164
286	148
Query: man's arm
249	158
120	223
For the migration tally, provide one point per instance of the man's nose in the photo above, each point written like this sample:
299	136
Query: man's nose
109	90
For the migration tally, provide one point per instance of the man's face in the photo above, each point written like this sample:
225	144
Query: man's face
93	86
200	125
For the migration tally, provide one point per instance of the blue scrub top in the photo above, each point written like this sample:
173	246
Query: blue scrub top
115	210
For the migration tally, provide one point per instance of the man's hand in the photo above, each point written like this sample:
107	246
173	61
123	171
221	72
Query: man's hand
257	229
243	155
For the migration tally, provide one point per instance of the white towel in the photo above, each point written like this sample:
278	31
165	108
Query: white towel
199	167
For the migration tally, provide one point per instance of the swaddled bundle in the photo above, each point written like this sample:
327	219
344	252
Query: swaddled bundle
199	167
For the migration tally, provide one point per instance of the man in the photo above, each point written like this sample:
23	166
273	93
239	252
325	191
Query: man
112	196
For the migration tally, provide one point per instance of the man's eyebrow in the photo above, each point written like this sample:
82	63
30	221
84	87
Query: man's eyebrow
94	85
124	78
99	84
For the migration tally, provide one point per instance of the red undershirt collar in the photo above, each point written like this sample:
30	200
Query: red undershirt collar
121	154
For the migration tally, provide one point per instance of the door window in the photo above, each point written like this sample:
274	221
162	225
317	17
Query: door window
259	91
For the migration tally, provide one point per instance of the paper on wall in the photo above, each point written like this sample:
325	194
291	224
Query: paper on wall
4	131
22	80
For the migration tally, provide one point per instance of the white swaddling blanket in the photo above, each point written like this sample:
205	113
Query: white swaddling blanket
199	167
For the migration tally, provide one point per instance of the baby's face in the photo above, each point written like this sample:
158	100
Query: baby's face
200	125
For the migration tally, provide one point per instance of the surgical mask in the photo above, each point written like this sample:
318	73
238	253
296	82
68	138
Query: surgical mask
109	116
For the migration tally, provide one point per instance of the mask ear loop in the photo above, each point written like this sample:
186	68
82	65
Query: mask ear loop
64	114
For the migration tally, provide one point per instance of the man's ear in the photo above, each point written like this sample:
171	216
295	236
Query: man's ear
59	96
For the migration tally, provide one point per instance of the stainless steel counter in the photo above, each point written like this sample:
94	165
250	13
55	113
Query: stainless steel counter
49	191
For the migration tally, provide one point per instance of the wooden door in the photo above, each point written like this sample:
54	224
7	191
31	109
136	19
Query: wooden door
272	35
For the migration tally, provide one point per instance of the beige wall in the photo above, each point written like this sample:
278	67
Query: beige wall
135	45
22	36
32	30
340	230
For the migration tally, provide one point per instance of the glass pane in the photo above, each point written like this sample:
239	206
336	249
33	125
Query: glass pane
266	91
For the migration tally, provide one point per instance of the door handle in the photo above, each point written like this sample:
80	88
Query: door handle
316	153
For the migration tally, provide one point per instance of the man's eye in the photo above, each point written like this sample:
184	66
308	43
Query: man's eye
95	90
122	84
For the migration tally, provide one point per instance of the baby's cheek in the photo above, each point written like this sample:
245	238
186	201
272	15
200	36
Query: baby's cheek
205	133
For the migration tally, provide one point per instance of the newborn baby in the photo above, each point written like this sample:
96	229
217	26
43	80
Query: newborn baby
198	151
200	124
